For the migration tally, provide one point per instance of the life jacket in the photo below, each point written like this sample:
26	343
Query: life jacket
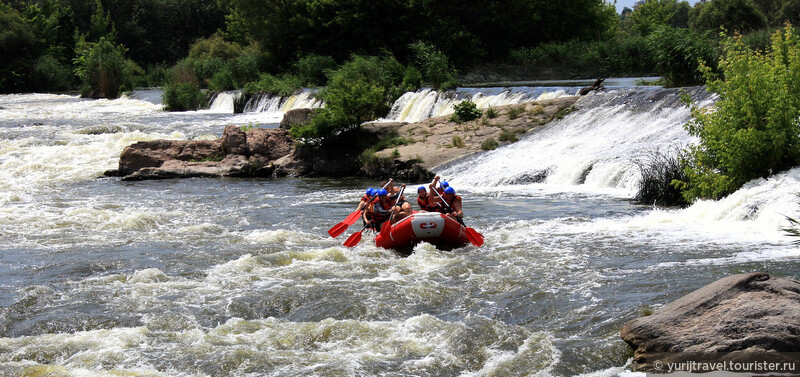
378	216
449	207
423	204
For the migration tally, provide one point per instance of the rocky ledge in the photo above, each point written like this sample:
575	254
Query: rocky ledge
742	317
237	153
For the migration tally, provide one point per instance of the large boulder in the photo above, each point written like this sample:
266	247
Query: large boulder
740	317
296	117
151	154
233	165
234	140
268	143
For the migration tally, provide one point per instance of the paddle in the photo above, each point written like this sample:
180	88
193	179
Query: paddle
355	238
472	235
339	228
387	224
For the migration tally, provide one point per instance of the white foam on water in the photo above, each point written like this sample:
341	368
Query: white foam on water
271	347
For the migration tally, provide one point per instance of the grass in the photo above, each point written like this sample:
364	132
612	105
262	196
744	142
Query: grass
458	142
489	144
515	112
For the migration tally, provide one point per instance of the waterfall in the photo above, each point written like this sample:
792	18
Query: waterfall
427	103
223	102
267	103
593	147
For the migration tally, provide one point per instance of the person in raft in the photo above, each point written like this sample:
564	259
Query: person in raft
402	207
365	199
424	200
435	201
380	210
453	206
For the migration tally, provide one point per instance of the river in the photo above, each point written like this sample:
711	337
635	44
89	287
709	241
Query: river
237	277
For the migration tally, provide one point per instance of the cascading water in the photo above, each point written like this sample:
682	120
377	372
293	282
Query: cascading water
594	146
427	103
267	103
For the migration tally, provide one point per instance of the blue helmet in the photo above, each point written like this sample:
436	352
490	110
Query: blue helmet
421	188
370	191
450	190
382	192
445	184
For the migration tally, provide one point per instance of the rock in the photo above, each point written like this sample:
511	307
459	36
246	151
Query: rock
383	127
296	117
741	316
234	140
270	143
145	154
235	154
232	165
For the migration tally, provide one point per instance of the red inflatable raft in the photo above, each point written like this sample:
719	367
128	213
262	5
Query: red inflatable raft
432	227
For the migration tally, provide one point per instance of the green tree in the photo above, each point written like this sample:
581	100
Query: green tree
753	131
102	68
648	16
436	68
733	15
18	45
361	90
679	54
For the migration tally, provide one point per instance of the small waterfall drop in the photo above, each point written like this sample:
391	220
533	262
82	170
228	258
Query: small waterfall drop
268	103
428	103
224	102
593	147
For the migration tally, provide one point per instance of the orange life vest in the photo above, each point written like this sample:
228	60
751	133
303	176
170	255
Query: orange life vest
377	216
423	204
449	207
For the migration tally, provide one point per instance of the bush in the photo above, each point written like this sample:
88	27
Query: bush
458	142
218	64
659	172
436	67
507	136
489	144
284	85
491	113
361	90
515	111
679	53
102	68
51	75
313	69
184	97
465	111
753	132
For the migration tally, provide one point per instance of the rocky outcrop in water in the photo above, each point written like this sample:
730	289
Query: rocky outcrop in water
740	317
297	117
237	153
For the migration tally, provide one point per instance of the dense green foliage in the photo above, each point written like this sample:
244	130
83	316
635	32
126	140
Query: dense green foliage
465	111
678	53
226	44
362	89
103	68
465	30
753	130
183	97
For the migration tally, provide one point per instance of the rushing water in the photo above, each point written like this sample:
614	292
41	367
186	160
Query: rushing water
221	277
